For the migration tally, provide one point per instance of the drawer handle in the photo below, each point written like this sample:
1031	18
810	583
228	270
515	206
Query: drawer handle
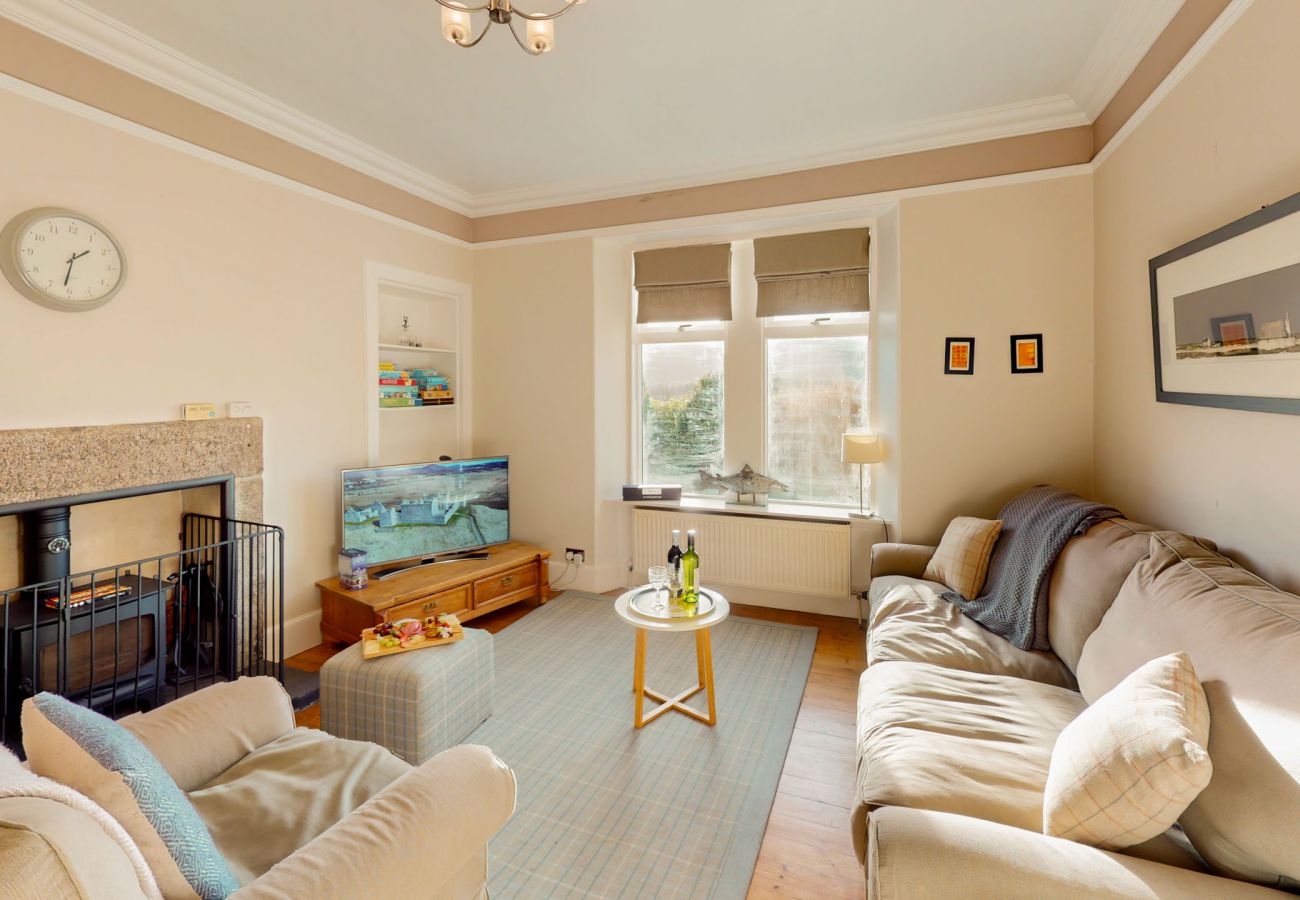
430	606
507	581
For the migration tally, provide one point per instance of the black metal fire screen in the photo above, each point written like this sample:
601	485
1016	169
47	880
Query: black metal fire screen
134	636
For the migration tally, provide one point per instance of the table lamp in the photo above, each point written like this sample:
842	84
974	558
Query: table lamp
862	449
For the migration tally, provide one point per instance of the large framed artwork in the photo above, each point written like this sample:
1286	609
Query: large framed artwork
1225	315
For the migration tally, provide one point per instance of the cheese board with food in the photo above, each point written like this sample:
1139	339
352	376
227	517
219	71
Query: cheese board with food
388	638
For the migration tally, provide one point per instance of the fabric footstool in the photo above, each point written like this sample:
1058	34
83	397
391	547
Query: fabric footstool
416	704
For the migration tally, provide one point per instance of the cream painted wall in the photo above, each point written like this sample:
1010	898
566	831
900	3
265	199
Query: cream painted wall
534	387
1224	142
989	263
611	351
238	289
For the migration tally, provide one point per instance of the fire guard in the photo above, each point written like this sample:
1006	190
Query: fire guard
133	636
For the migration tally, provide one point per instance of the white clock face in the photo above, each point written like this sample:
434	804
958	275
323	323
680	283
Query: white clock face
68	260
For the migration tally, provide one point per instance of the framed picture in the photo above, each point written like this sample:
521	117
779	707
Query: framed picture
959	356
1026	353
1225	315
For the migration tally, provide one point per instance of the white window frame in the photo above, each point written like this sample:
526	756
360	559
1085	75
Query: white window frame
841	325
739	336
668	333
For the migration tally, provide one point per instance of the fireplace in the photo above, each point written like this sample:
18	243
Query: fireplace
118	631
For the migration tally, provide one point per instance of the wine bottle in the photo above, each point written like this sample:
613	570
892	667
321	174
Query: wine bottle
690	571
675	564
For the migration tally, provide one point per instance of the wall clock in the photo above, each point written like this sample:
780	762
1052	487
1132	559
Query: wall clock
61	259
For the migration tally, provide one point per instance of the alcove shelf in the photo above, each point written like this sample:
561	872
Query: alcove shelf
436	313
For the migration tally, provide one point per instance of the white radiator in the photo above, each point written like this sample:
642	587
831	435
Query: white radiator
810	558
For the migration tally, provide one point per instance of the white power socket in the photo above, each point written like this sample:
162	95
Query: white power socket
239	409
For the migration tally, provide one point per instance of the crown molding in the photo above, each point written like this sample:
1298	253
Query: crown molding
107	40
1010	120
144	132
1203	45
1123	43
122	47
1126	38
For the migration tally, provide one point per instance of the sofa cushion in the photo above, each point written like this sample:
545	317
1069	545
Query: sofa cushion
910	621
1243	637
294	788
246	713
1131	763
1086	579
918	853
94	755
50	850
34	869
977	745
962	558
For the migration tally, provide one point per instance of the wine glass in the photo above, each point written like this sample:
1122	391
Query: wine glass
659	580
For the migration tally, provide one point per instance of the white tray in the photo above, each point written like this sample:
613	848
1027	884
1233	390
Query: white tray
644	599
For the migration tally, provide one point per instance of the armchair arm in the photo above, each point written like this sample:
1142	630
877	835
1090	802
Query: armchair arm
408	840
234	718
988	859
900	559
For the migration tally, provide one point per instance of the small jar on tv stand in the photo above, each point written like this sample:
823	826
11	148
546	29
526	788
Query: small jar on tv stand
353	569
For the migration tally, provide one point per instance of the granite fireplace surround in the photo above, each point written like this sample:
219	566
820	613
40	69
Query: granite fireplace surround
39	464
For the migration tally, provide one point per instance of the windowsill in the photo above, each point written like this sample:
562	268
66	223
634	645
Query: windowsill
776	510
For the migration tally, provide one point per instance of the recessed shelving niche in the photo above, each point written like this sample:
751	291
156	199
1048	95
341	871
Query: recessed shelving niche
436	312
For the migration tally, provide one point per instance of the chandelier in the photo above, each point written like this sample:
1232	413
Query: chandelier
540	27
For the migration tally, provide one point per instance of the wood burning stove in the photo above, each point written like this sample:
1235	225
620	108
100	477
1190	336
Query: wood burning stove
135	635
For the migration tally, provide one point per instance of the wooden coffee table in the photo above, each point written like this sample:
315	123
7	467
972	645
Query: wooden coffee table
701	625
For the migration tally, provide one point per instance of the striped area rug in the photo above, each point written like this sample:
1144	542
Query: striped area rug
676	809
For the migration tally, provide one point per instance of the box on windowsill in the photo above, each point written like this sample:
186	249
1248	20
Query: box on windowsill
652	492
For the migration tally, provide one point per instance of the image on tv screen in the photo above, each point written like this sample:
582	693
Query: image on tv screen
400	512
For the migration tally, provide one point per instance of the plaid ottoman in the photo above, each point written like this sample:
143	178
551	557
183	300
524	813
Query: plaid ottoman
416	704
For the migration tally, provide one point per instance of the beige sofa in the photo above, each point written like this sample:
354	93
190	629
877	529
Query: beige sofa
296	812
956	726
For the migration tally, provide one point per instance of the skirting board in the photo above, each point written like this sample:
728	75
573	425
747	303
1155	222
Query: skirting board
594	579
300	633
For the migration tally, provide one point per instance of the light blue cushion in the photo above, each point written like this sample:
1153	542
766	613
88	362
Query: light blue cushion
164	804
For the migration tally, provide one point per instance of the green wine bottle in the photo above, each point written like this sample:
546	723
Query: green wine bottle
690	572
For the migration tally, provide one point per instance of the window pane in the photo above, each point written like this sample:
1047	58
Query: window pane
816	391
681	412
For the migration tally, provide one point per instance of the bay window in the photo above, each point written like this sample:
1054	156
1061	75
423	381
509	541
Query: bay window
775	391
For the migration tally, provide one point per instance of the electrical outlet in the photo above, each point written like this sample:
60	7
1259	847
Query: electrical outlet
575	555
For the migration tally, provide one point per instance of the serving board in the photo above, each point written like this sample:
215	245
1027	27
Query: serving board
370	648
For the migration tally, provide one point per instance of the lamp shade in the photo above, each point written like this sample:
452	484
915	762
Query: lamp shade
861	448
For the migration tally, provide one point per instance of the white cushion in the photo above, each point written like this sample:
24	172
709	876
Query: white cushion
1133	761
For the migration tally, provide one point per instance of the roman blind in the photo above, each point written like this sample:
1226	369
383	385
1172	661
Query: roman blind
812	274
684	284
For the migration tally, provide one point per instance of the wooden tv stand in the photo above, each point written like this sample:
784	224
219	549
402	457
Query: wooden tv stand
469	588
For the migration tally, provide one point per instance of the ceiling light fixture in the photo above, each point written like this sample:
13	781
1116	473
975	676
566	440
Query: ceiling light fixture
540	27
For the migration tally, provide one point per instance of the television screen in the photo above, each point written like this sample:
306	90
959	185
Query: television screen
405	512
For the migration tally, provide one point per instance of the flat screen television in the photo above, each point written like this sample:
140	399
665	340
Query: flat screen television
425	510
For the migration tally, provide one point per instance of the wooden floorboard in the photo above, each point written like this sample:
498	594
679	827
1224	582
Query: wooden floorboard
807	849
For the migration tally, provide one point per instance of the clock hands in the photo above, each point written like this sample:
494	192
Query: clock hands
71	259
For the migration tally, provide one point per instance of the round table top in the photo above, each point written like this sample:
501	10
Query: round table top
720	611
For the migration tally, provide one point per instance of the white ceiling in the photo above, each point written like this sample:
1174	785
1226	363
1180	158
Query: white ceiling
638	95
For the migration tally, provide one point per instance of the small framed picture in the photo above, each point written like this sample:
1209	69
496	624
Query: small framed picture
1026	353
959	356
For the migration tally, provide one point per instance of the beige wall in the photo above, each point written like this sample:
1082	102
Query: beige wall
534	386
238	289
1224	142
989	263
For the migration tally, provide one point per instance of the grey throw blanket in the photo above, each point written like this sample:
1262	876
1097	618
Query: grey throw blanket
1035	527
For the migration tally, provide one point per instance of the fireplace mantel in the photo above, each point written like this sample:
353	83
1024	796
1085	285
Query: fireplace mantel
49	464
